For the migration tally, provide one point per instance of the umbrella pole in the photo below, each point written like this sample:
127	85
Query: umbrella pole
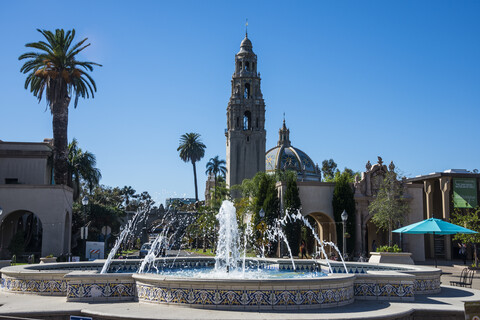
434	252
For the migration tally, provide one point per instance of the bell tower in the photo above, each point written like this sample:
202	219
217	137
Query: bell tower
245	131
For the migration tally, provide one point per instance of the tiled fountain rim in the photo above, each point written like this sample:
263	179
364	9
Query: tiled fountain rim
67	267
160	278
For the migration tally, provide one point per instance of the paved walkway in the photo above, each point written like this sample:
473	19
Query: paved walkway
449	301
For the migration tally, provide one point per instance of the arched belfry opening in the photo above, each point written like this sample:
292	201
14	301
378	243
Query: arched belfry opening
247	91
247	66
247	124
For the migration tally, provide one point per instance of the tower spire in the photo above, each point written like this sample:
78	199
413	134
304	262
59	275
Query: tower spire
246	28
284	134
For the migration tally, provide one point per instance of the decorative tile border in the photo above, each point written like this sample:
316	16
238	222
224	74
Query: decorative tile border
427	285
95	291
52	287
383	291
324	297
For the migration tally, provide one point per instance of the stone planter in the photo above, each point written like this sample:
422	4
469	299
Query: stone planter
48	260
4	263
391	257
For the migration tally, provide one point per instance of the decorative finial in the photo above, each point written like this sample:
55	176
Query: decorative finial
246	28
284	119
368	166
391	166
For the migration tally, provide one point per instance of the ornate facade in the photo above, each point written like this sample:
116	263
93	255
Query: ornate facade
366	188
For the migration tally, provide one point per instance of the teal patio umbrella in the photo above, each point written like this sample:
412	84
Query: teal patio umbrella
433	226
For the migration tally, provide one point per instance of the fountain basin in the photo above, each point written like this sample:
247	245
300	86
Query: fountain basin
82	281
335	290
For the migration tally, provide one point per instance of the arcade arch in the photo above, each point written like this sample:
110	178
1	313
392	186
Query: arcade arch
21	224
325	229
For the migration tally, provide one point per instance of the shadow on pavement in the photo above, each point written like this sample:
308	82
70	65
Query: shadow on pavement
451	292
355	307
447	292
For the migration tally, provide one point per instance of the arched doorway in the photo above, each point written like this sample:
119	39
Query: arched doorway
21	233
325	230
373	233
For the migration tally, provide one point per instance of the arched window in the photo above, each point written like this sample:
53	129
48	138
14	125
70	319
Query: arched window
247	66
247	91
247	120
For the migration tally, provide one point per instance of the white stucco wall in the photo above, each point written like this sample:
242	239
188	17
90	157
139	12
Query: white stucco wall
50	204
316	197
27	162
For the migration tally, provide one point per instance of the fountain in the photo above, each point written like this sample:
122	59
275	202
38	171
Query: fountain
226	281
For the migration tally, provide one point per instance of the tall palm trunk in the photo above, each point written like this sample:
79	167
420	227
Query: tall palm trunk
60	140
215	192
195	180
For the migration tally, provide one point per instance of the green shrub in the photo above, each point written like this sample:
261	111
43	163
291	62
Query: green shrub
395	248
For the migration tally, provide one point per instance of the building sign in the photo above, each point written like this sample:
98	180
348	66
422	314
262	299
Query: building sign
95	250
465	192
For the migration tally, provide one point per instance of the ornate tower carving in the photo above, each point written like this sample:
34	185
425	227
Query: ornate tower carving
245	132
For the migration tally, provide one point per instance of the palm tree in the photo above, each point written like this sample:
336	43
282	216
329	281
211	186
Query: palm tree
216	166
192	149
55	72
81	167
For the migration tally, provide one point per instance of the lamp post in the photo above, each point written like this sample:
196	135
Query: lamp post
261	213
84	229
344	219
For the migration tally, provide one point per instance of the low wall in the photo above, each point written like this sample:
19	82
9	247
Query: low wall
332	291
391	257
92	286
384	285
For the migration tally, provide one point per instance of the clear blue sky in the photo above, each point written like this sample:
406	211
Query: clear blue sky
356	79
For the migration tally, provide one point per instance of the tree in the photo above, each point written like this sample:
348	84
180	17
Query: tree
55	72
216	166
329	167
222	192
192	149
468	218
129	193
343	199
293	203
260	193
81	168
390	206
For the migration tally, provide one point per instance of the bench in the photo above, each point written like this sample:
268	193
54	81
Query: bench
465	280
